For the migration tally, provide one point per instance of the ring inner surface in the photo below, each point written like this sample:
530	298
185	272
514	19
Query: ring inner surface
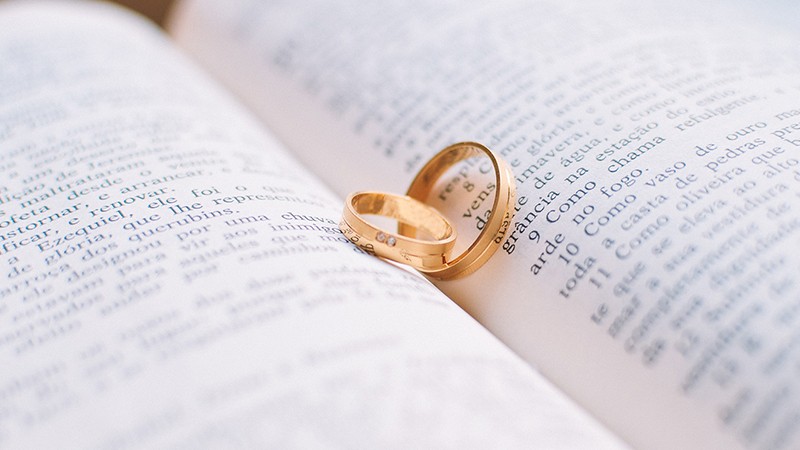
438	170
404	210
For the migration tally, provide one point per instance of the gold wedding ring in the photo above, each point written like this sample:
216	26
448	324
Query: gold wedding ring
420	254
491	236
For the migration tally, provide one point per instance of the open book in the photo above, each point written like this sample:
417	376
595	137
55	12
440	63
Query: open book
173	277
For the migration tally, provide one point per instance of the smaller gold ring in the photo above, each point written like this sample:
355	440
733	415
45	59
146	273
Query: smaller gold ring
418	253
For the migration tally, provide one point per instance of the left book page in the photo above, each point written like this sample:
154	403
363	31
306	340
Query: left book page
171	278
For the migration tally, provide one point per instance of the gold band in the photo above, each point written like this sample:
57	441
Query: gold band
420	254
491	237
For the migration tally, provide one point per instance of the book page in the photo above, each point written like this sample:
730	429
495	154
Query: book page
171	278
651	269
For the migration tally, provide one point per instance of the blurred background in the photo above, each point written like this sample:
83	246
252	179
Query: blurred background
156	10
784	13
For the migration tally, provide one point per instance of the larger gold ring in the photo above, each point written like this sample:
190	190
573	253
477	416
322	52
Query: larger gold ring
418	253
491	237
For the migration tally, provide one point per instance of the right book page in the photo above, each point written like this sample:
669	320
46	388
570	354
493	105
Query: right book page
652	267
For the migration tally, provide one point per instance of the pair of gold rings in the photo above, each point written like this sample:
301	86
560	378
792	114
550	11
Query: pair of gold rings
431	257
